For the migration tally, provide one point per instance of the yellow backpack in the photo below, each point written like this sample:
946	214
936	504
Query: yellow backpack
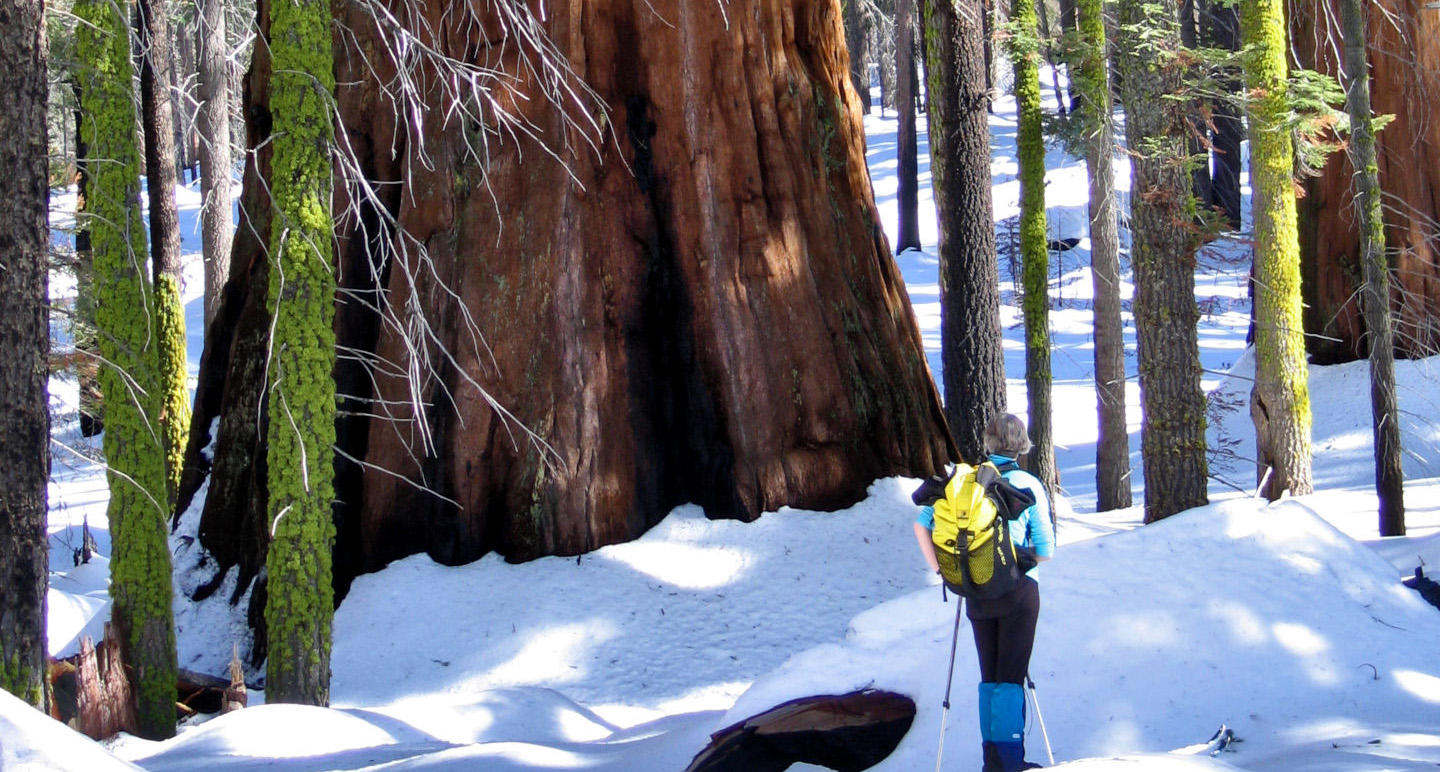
978	558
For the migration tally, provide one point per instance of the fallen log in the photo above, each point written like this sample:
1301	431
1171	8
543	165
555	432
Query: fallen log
847	733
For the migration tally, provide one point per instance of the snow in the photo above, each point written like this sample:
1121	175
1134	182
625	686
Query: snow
1286	622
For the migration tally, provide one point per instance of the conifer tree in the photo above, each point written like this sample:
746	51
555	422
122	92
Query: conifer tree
300	606
212	123
25	429
1035	253
156	79
140	584
973	362
1280	399
1090	75
1172	436
1375	299
906	142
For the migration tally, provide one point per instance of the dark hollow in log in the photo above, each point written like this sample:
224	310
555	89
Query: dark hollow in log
846	732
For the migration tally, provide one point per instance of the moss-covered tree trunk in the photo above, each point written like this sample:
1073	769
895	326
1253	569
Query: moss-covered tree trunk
1280	399
1090	75
1162	254
1403	41
1385	414
300	388
1024	48
24	337
973	361
156	80
701	307
140	585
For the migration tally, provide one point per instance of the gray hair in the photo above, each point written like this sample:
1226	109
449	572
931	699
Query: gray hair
1006	435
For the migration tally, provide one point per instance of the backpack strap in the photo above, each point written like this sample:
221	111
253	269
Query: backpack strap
1008	466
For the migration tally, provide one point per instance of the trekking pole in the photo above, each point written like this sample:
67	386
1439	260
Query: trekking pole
940	752
1035	700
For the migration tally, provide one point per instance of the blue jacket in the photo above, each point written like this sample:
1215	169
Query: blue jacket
1035	531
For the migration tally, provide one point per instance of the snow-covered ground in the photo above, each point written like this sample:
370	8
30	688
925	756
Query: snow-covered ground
1286	622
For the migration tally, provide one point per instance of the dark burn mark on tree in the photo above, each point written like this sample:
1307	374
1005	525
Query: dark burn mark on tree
669	396
357	328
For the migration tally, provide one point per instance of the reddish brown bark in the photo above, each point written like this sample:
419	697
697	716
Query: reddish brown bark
1404	43
707	312
106	706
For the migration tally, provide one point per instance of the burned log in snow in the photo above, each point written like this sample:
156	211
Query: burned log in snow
847	733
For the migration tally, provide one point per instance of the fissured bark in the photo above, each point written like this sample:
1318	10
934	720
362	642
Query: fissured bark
699	307
1405	70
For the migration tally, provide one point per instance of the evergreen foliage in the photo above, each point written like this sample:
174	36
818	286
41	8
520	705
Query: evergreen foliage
300	605
140	583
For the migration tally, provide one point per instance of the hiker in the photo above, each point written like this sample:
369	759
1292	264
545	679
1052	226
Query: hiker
1004	627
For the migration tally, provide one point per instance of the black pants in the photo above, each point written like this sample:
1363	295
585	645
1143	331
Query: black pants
1005	632
1004	636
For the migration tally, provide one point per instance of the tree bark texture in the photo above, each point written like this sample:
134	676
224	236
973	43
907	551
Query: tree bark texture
104	696
212	122
1229	130
24	337
973	361
1034	243
907	142
1090	75
140	580
1403	39
859	30
157	74
700	308
1389	468
1191	14
1280	399
1162	254
300	389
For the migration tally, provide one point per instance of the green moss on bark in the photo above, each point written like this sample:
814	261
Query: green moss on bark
140	583
1280	373
301	431
174	394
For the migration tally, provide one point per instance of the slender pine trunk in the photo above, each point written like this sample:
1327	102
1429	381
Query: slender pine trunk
156	80
1034	248
1090	76
213	125
1389	470
907	142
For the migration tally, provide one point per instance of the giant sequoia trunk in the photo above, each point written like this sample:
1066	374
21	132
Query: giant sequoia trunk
1404	43
700	307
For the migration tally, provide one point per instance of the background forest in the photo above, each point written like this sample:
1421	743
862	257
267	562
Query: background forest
769	448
